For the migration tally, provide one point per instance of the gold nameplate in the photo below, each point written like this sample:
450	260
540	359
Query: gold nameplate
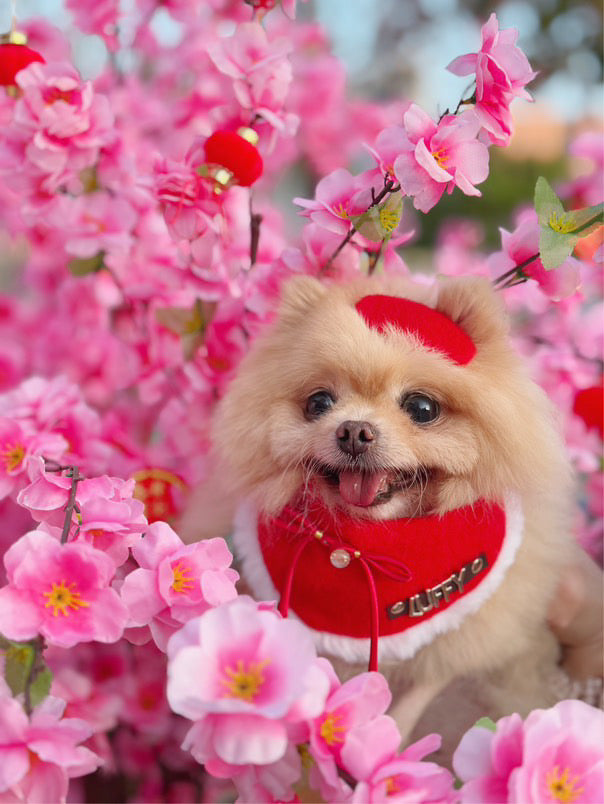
454	585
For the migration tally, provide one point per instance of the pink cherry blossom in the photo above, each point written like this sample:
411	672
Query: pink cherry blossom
110	519
260	70
247	675
95	222
440	157
39	754
100	18
319	244
555	755
587	188
388	145
349	706
143	695
58	128
176	582
523	243
57	406
59	591
188	200
339	197
273	782
385	774
16	449
502	71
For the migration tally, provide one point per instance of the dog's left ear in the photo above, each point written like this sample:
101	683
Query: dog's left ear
474	306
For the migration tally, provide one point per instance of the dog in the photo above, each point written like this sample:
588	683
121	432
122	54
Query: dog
390	473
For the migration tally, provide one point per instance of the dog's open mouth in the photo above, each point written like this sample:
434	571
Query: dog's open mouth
365	488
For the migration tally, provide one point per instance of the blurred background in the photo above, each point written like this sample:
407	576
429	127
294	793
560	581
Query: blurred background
400	49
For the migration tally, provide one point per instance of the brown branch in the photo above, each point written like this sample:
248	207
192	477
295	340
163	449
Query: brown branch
74	473
374	258
516	273
390	186
255	223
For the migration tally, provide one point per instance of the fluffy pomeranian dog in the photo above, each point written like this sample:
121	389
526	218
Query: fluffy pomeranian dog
391	474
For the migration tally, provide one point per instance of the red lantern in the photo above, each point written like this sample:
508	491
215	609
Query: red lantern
589	405
235	153
160	491
13	58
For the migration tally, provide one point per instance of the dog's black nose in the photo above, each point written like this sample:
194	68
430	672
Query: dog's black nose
355	438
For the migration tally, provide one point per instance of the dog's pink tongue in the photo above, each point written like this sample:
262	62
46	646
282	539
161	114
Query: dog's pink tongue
360	488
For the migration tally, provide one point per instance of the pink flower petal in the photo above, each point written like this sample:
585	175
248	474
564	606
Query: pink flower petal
242	739
140	594
20	619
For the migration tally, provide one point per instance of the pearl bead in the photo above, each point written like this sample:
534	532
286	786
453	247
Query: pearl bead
340	558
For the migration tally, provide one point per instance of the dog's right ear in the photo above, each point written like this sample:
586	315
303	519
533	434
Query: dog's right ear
299	294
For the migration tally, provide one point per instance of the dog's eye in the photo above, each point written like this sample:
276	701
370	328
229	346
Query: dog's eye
420	408
318	403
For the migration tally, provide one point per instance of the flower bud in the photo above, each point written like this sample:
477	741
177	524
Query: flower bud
380	222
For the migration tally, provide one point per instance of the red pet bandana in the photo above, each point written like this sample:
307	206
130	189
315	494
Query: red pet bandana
364	579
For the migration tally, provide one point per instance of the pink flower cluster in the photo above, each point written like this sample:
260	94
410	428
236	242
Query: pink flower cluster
426	157
40	754
255	689
502	71
176	582
58	127
555	755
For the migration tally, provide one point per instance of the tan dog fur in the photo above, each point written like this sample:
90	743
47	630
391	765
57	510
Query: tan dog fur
496	434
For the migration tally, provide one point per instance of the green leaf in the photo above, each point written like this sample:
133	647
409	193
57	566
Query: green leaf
486	723
586	220
19	659
556	237
546	201
560	231
40	687
555	247
82	266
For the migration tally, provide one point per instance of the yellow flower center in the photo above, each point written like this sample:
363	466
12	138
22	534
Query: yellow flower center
331	730
12	455
561	787
561	223
340	210
63	597
244	682
183	580
441	157
391	786
390	218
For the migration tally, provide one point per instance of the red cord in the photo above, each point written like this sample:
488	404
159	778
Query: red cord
283	606
374	634
388	566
